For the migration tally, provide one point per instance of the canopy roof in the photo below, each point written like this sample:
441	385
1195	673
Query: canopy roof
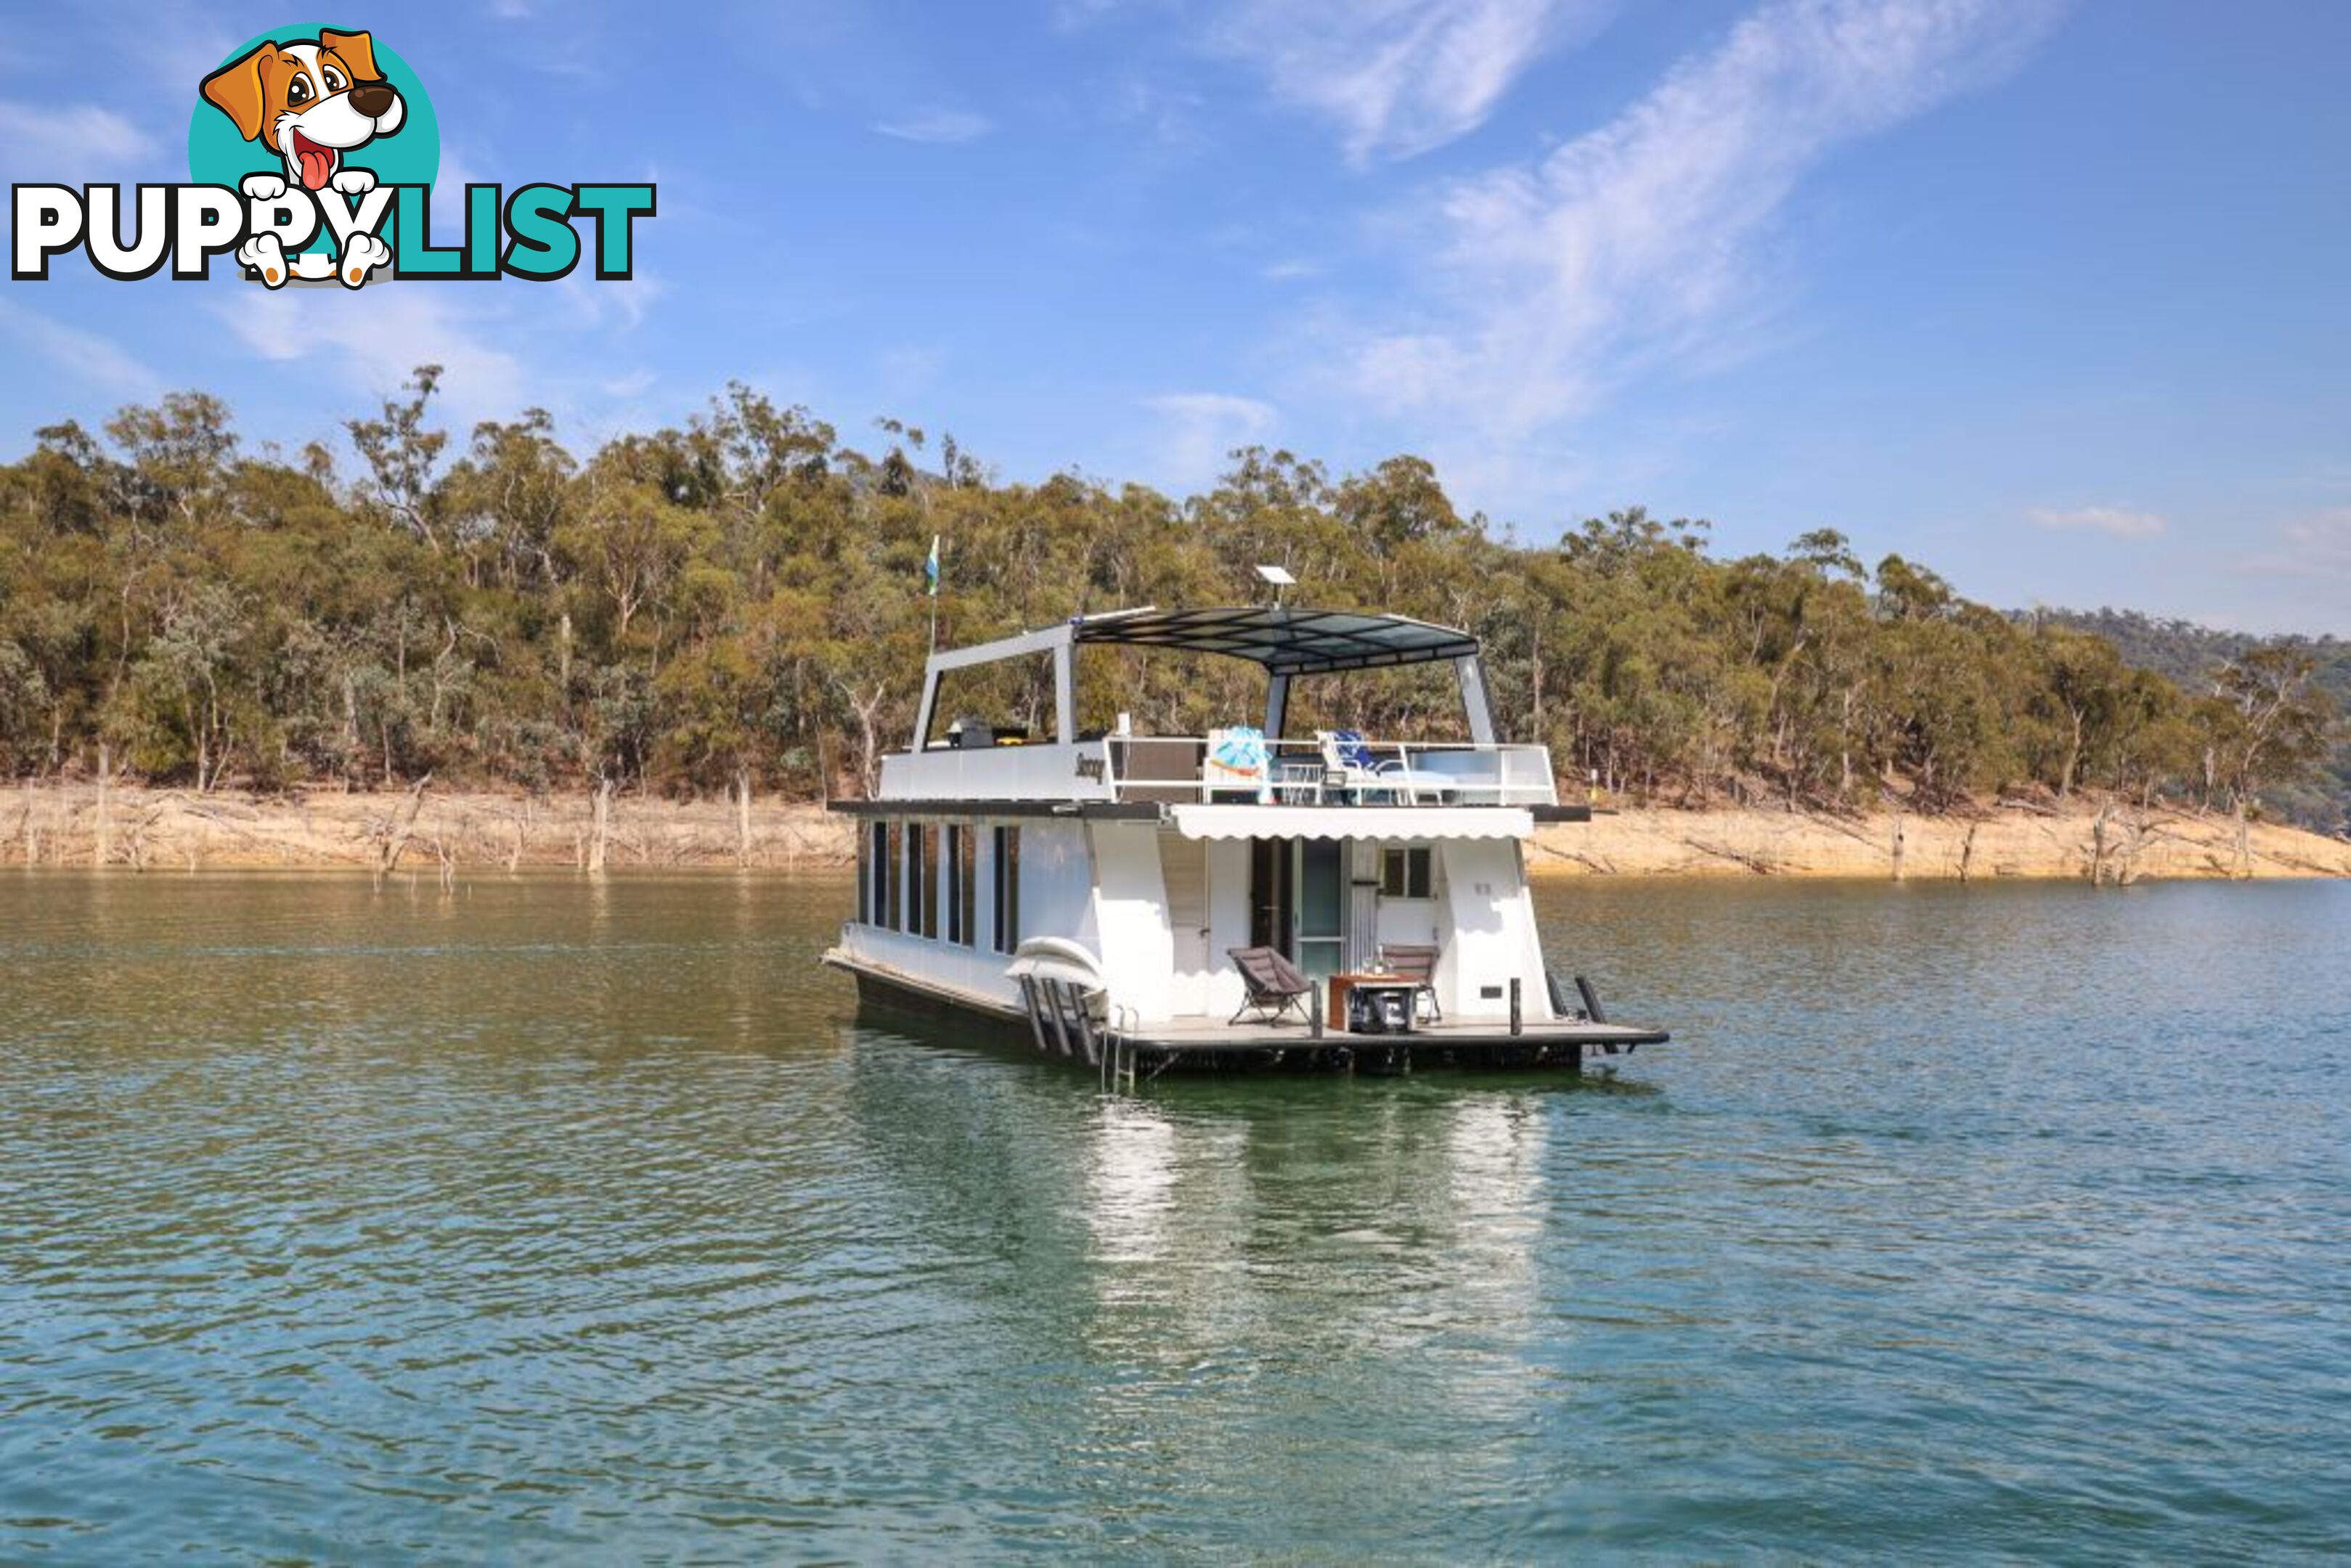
1287	641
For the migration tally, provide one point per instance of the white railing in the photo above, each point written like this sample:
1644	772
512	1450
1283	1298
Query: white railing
1174	768
1309	773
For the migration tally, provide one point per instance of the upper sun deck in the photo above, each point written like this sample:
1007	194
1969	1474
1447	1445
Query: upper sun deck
1243	763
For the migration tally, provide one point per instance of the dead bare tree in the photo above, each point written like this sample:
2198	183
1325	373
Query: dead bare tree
398	829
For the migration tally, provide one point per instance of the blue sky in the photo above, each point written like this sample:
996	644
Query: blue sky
2052	297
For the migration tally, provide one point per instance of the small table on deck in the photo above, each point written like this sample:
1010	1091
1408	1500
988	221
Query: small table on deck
1340	987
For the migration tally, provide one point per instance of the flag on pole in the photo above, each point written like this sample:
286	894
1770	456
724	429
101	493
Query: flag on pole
931	568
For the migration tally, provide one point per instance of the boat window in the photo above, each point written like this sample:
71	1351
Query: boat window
925	849
892	874
1405	874
956	865
875	871
1007	908
966	885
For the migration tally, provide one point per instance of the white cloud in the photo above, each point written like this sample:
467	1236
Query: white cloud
1199	429
939	126
621	302
177	43
2322	541
2300	577
1400	76
459	167
1630	242
2120	522
372	342
86	356
78	142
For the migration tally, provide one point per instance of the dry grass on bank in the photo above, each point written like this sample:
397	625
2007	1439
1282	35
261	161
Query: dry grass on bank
432	830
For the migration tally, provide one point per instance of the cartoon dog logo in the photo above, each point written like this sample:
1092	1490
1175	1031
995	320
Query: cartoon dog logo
310	103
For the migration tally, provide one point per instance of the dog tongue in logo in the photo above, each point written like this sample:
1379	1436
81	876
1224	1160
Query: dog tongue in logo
318	162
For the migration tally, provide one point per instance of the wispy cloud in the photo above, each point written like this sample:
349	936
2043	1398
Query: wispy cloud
2321	541
1634	240
620	303
85	357
1400	76
1198	429
76	142
940	127
2301	573
372	343
2120	522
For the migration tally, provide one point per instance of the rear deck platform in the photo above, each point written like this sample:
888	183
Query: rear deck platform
1214	1045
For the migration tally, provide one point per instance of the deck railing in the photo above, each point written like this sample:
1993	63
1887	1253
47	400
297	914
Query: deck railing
1175	769
1310	773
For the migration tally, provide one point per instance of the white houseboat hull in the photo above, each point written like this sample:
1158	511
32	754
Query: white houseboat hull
1242	896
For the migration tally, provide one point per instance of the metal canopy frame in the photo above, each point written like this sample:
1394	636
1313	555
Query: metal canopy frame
1288	641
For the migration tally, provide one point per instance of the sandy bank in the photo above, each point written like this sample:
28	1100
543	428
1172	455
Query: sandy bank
2077	842
78	824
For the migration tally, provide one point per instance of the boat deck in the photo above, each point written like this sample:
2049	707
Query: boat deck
1212	1043
1213	1035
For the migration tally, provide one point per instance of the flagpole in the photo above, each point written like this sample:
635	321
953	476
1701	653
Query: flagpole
935	573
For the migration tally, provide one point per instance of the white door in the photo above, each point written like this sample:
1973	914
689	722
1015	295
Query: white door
1184	862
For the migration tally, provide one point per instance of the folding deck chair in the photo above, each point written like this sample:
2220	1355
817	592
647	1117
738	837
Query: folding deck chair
1275	986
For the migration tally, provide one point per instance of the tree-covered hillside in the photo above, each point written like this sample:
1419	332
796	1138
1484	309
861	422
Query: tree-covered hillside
738	604
2196	658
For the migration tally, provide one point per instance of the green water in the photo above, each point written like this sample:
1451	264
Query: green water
557	1222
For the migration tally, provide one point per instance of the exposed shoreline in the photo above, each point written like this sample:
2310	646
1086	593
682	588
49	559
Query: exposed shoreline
436	831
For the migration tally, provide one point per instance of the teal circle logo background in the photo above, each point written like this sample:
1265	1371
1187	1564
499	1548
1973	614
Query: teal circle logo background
217	155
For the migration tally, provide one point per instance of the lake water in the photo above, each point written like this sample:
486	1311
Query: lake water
553	1220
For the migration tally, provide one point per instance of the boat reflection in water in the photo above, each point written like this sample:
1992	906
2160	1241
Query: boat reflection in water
1362	1269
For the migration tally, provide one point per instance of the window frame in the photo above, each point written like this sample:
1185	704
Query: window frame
1006	900
962	897
927	881
1397	864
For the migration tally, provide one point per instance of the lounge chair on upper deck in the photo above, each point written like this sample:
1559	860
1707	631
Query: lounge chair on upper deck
1274	985
1356	771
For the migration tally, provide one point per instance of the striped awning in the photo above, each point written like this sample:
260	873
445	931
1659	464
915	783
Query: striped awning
1393	822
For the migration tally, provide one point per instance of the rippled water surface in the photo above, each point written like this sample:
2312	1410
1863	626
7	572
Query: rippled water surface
548	1220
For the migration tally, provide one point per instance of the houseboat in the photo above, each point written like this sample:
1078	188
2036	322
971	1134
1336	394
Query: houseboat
1242	897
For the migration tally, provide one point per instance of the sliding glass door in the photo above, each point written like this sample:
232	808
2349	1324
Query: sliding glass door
1298	900
1322	907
